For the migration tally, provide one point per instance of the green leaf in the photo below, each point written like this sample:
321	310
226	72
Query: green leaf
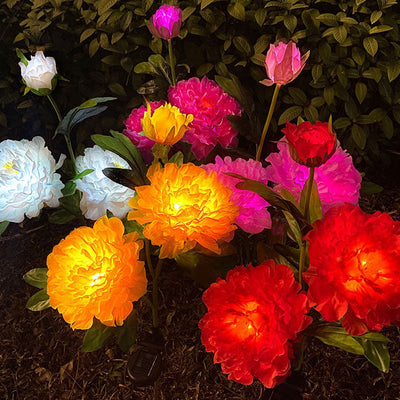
375	16
380	29
338	337
61	217
237	11
22	57
370	45
393	70
329	94
260	16
3	226
134	226
290	114
242	45
316	72
82	174
328	19
290	22
75	116
359	136
370	188
39	301
294	227
69	188
340	33
315	202
126	334
177	158
145	68
94	101
376	352
86	34
96	336
375	337
36	277
125	177
361	91
117	89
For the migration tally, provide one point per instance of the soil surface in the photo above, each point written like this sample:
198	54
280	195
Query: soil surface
40	355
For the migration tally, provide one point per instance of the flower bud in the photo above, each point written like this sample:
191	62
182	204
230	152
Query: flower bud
166	22
167	125
283	63
39	72
310	144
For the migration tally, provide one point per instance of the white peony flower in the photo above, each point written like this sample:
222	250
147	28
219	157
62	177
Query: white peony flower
100	193
39	72
27	179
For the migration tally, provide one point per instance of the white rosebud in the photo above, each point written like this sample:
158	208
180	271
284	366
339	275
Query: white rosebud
39	72
100	193
27	179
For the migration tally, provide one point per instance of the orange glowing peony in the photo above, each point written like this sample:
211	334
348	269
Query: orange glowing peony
95	272
184	206
354	269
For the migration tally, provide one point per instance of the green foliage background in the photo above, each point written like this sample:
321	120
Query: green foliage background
103	47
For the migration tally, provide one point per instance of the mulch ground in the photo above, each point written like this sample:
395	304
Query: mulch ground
40	354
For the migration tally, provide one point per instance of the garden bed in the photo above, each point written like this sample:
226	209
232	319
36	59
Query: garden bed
40	354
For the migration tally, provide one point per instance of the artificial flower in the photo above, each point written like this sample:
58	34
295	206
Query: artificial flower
354	269
253	317
210	106
28	180
39	72
184	206
166	22
96	273
338	181
253	215
166	124
134	130
310	144
100	193
283	63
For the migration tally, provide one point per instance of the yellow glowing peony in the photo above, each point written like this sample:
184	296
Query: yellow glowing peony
184	206
95	272
167	125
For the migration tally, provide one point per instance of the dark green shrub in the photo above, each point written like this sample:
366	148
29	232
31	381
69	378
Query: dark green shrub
352	72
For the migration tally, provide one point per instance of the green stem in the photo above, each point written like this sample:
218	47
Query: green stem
267	122
148	257
67	139
155	292
302	262
171	62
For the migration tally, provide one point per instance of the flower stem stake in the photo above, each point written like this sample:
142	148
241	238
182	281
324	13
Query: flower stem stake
283	64
165	24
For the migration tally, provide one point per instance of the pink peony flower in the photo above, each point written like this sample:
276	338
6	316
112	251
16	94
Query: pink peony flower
209	105
338	180
166	22
254	217
283	63
134	128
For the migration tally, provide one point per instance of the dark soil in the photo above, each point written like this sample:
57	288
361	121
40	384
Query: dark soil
40	354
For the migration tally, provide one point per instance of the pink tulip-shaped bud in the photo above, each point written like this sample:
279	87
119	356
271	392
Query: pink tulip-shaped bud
283	63
166	22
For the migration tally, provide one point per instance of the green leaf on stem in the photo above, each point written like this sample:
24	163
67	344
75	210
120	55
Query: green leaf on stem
36	277
3	226
82	174
134	226
338	337
315	209
126	334
61	217
375	352
69	188
294	228
39	301
22	57
96	336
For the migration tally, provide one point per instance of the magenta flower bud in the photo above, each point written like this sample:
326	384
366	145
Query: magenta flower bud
283	63
166	22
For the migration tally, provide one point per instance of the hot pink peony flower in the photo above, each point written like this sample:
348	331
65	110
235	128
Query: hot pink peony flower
134	128
209	105
166	22
338	180
254	217
283	63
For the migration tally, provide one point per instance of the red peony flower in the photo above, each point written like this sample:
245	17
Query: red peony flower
355	268
310	144
252	318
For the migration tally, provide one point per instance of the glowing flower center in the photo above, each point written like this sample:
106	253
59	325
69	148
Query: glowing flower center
246	322
366	268
117	165
97	279
9	166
